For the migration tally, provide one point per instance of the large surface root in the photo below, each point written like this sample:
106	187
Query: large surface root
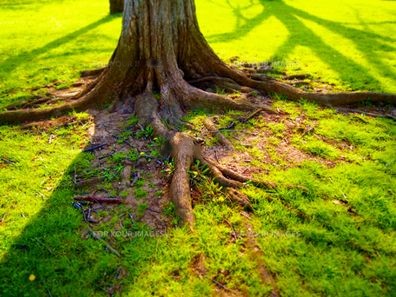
184	151
271	86
95	93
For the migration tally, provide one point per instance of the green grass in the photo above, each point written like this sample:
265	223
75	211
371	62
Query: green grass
50	44
329	227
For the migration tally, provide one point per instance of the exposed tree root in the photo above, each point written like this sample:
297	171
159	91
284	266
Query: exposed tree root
215	132
94	72
99	199
371	114
295	94
29	104
198	98
239	198
184	150
258	256
94	94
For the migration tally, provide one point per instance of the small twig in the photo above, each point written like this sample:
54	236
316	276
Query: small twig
106	156
108	246
234	233
153	210
251	116
222	286
99	199
6	160
230	126
95	147
215	132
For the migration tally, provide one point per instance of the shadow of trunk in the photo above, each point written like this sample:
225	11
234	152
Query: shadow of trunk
59	253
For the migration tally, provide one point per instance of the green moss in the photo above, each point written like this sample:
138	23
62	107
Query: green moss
316	147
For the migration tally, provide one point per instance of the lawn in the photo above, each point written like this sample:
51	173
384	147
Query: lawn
327	229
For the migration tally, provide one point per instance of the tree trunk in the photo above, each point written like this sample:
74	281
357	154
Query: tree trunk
160	49
116	6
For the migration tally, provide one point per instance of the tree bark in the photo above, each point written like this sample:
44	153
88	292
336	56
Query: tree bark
116	6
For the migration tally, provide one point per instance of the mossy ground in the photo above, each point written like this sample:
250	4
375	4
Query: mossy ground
327	229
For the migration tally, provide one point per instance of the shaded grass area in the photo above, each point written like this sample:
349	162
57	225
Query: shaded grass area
329	227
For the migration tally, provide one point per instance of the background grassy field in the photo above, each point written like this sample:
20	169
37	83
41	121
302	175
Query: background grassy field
332	236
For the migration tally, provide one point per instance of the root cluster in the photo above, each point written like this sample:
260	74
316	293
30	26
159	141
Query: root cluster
161	93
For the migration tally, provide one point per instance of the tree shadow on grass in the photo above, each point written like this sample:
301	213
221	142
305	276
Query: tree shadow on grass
366	42
23	4
57	253
14	62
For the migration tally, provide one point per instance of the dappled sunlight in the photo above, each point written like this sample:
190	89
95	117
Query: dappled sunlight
335	32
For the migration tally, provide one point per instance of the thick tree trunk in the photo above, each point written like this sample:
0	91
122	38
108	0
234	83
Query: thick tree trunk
160	45
160	49
116	6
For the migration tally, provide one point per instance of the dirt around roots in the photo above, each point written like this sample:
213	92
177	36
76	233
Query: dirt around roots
121	166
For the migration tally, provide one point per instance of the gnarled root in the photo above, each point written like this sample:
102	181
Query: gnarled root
184	150
95	94
183	154
270	86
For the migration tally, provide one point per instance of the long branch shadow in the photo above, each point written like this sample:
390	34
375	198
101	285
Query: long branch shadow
23	4
15	61
366	42
243	25
301	35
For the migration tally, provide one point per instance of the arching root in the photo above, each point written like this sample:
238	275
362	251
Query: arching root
185	150
215	132
270	86
96	93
